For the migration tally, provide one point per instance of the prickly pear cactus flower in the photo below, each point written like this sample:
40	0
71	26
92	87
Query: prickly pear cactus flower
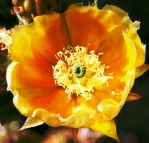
75	69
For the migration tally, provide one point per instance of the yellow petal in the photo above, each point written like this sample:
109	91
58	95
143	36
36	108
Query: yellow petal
109	108
130	68
31	122
107	128
121	13
140	70
28	101
82	116
131	29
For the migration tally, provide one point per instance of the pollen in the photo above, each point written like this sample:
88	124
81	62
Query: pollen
79	71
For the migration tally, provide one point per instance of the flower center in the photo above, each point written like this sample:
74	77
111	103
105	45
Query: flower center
79	72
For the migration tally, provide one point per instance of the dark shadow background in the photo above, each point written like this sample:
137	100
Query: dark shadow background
133	120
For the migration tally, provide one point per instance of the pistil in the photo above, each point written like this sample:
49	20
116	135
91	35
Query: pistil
79	70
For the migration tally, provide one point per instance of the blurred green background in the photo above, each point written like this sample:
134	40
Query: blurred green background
133	120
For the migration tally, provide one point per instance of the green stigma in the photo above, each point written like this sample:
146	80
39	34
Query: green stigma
79	70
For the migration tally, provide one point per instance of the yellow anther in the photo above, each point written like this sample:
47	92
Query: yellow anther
79	72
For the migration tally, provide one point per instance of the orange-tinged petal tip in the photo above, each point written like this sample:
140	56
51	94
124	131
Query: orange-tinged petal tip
142	69
75	133
133	96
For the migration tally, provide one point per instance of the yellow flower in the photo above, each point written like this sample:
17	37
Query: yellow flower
77	68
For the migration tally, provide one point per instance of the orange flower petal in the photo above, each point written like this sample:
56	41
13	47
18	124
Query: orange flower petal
117	49
131	29
89	25
48	105
40	41
49	99
120	63
109	99
30	75
27	76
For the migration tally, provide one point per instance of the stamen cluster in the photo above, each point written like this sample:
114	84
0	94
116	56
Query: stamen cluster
92	71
